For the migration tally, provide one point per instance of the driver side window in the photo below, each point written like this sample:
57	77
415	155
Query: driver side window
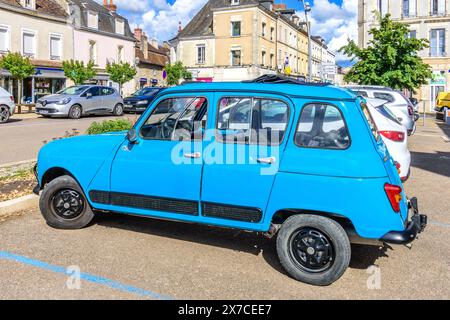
322	126
180	118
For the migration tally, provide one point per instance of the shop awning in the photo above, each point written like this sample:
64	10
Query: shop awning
49	73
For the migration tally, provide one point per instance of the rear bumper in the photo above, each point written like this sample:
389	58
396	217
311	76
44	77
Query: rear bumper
414	226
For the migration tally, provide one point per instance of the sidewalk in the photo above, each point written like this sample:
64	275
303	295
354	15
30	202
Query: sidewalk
25	116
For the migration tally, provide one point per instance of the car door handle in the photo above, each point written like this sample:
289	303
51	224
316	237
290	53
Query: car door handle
268	160
194	155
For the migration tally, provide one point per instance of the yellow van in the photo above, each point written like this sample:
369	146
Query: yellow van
442	104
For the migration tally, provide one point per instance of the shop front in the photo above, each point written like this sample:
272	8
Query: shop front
45	81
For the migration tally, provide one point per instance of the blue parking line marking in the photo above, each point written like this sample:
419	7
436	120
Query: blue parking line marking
4	255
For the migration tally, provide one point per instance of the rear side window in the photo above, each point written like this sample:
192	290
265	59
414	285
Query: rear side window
252	120
322	126
107	91
384	96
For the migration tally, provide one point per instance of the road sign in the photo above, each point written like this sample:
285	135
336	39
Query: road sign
329	69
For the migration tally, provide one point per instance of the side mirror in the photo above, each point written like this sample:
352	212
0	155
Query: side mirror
88	95
132	136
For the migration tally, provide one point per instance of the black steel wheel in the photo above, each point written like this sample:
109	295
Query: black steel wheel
63	204
311	249
67	204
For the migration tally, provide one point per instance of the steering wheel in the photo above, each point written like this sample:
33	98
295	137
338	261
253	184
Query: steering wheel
167	128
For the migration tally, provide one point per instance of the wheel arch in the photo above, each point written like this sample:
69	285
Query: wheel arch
56	172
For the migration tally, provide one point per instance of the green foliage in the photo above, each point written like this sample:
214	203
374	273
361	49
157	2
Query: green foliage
121	72
109	126
176	72
78	72
390	59
19	66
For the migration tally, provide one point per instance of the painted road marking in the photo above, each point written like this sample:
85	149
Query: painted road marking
4	255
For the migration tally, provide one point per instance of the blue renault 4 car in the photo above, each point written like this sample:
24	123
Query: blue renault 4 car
301	162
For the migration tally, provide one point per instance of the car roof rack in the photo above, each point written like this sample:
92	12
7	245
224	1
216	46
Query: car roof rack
276	79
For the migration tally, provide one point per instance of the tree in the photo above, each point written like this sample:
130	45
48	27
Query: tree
20	68
78	72
390	59
176	72
121	72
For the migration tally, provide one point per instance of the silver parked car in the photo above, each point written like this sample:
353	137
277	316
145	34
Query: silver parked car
400	106
77	101
7	105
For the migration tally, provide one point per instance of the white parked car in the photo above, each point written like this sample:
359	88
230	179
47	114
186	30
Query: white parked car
393	133
7	105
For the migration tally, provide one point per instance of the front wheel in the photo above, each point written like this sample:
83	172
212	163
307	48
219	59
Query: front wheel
313	249
118	110
63	204
75	112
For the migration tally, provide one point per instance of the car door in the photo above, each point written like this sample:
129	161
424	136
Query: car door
250	135
92	100
108	98
160	174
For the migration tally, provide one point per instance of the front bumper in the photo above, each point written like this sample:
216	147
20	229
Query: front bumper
415	225
135	108
52	110
37	187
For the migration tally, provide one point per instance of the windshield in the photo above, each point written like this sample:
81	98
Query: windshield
146	92
73	91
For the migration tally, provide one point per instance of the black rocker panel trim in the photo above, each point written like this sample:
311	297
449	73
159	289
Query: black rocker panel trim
224	211
145	202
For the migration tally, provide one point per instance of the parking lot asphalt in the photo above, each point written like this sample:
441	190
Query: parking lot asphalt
136	258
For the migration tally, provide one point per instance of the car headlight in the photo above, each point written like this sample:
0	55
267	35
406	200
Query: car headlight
65	101
142	102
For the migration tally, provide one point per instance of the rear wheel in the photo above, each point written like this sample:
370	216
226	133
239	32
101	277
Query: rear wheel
75	112
313	249
118	110
63	204
4	114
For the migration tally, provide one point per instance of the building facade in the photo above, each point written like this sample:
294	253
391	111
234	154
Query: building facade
101	35
40	30
428	19
151	59
234	40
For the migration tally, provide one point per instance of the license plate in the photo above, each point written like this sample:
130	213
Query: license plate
43	111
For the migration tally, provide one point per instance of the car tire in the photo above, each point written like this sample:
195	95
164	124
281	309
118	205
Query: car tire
4	113
322	249
75	112
118	110
63	204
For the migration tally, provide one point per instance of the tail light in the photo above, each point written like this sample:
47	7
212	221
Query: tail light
398	166
12	98
410	110
394	194
396	136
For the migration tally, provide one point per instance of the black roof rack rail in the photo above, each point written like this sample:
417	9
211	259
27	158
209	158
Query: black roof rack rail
273	78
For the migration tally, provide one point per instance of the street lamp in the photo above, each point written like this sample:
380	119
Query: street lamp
307	8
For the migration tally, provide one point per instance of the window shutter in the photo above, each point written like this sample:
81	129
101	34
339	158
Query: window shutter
441	6
413	8
28	43
54	47
4	41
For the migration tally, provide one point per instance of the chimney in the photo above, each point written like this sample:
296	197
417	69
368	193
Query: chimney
279	6
155	43
179	27
111	6
295	19
144	45
137	33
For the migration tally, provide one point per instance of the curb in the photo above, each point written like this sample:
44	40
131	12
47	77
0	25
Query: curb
22	203
17	163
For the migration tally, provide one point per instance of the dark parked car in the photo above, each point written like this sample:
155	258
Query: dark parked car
140	100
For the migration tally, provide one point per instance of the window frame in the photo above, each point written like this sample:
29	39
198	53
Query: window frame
232	28
201	53
252	98
35	42
193	97
60	46
321	148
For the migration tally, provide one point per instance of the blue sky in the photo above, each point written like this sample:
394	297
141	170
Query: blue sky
334	20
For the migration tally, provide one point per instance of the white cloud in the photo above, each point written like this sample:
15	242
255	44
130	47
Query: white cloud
336	24
161	19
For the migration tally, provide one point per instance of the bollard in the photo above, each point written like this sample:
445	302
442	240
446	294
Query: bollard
424	110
